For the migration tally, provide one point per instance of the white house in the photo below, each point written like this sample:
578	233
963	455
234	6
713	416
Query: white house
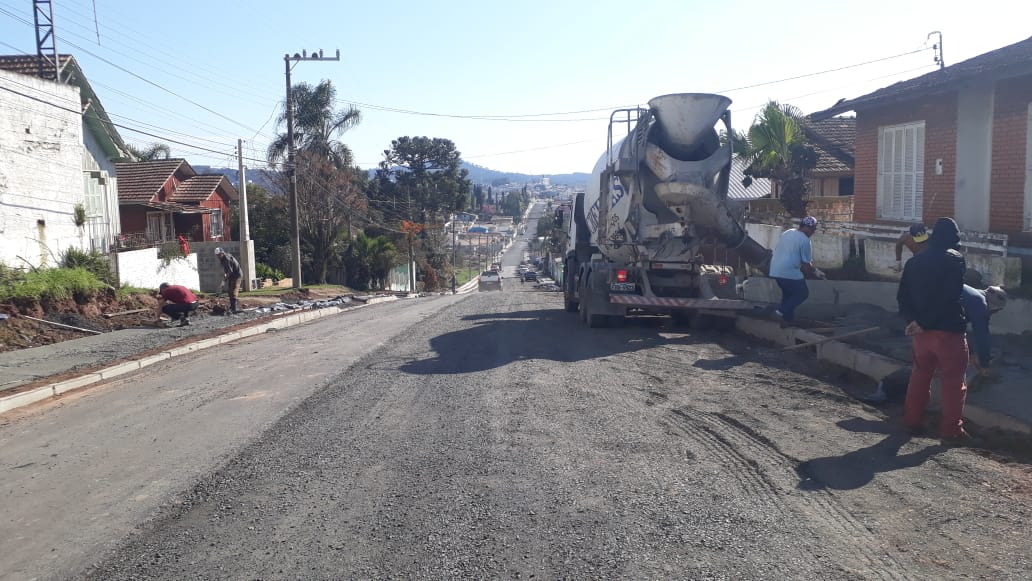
57	154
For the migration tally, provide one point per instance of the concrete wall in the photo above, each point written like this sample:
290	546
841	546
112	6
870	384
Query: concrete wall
1015	319
143	268
830	251
209	269
880	258
41	151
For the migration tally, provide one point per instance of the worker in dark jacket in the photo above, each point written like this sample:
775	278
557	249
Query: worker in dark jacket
979	305
233	274
929	299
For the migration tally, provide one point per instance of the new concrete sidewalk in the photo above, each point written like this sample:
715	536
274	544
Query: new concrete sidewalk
62	360
1001	405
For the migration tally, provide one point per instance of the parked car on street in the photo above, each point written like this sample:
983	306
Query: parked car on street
489	280
530	275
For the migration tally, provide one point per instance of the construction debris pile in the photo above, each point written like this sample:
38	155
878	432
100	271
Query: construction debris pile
338	301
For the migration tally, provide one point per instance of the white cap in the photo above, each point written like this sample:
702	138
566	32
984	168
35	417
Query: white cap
995	298
219	250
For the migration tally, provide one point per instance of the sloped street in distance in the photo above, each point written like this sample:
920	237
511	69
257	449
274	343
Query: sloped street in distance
501	438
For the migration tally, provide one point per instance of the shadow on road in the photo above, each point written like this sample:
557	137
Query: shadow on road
856	469
498	339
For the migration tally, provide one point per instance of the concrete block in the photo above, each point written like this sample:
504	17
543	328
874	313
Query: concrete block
25	398
206	343
120	369
252	331
229	337
880	257
81	381
182	350
152	359
829	251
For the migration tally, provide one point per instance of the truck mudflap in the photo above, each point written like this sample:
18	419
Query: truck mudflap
680	303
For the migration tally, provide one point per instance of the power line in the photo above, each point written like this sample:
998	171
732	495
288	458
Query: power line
853	66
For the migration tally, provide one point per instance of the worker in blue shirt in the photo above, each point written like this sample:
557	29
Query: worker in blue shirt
791	263
979	305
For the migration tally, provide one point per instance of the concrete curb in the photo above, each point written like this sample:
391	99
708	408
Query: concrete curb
288	319
872	365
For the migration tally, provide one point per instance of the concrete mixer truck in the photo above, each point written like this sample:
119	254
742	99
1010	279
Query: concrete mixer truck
646	234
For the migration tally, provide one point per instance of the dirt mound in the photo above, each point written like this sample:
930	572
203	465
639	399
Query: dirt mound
22	329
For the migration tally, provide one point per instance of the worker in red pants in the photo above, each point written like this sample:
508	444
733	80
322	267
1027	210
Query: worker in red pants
929	299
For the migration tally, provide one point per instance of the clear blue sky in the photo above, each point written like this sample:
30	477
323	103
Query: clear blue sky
446	61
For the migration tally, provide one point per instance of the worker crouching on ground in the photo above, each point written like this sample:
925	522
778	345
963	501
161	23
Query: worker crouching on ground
979	305
176	302
929	298
791	263
233	274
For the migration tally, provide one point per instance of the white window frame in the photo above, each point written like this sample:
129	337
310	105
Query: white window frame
901	171
215	225
1027	226
95	189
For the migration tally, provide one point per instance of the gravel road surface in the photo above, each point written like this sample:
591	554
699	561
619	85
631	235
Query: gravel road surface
500	438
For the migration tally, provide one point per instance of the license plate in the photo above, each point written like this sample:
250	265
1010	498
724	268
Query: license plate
621	287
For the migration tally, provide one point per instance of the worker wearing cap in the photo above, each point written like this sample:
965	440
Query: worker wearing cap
233	274
929	298
915	239
979	305
791	263
177	302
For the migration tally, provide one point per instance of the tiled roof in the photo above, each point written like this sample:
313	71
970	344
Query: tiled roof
200	188
834	139
759	187
141	181
28	64
1012	60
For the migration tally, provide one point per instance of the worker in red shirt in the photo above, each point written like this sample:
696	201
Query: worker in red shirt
177	302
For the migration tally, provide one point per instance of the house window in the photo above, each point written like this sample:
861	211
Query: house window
901	171
1028	170
94	187
215	223
845	186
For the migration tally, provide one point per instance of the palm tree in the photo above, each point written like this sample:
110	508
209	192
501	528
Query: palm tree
776	148
154	152
317	125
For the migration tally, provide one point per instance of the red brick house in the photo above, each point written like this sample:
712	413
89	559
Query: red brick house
954	142
158	200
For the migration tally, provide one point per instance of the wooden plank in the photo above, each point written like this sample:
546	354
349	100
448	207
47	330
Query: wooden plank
832	338
63	326
120	313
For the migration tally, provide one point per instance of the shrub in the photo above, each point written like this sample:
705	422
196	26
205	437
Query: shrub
92	261
265	271
52	284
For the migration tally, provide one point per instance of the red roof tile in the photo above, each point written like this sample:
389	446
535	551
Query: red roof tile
200	188
139	182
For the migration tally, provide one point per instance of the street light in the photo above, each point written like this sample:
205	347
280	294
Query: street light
295	229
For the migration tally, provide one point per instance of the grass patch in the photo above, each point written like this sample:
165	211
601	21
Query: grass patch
54	284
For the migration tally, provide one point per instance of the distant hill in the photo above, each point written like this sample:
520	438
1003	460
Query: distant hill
261	177
483	175
478	174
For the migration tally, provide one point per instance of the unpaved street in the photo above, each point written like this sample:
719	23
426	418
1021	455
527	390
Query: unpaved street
500	438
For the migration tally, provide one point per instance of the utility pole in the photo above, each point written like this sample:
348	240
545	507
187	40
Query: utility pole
937	47
246	256
295	229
